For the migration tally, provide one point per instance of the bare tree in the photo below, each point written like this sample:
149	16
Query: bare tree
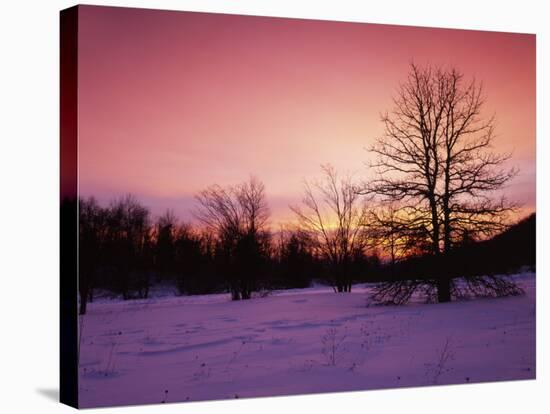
251	199
165	235
238	216
436	159
129	246
190	249
294	257
91	237
333	214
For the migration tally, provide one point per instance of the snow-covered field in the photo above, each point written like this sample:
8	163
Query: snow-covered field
169	349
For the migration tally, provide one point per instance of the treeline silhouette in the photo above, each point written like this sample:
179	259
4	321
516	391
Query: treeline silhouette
124	251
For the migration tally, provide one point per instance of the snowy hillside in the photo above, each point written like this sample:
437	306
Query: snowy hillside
169	349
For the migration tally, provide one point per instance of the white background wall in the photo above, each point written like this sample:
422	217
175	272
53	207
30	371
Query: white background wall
29	238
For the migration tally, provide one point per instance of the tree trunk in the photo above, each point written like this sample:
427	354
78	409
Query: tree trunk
443	290
435	229
446	207
245	294
84	291
83	302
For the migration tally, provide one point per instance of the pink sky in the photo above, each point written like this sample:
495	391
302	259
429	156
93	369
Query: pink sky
171	102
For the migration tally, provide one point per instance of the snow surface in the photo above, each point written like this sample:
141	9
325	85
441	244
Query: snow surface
168	349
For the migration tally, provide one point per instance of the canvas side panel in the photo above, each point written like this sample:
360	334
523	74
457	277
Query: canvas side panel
69	206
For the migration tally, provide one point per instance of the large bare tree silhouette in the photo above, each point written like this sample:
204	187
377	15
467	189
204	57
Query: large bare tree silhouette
436	161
